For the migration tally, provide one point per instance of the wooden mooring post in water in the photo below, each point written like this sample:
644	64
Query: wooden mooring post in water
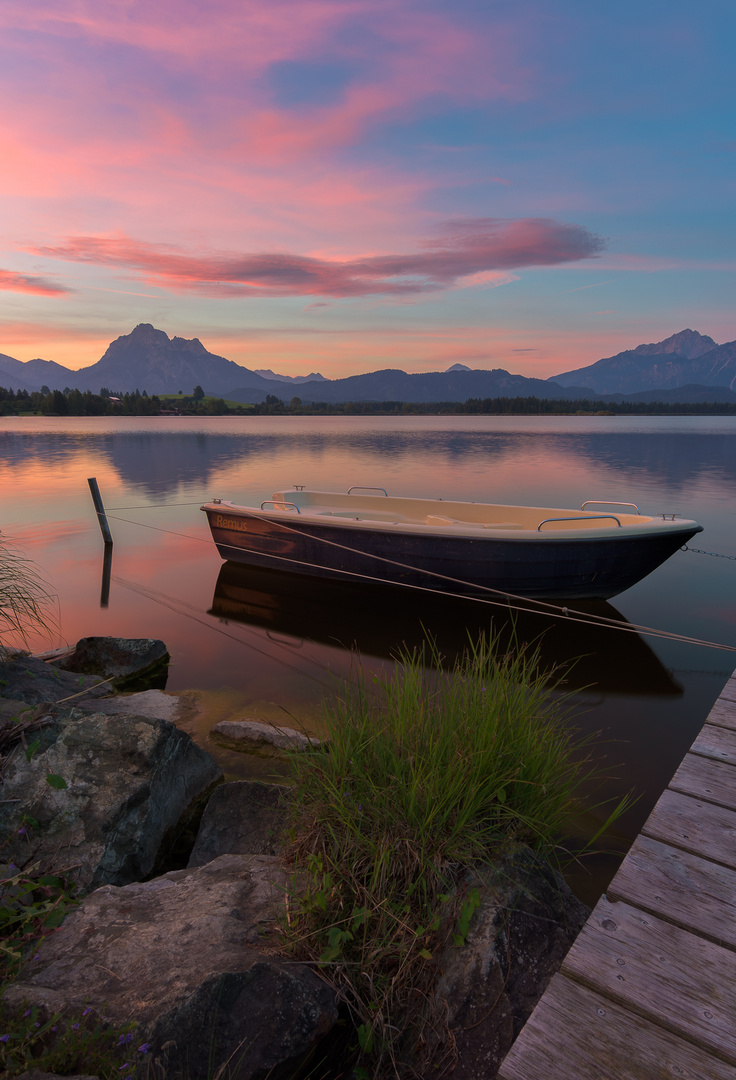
648	989
106	536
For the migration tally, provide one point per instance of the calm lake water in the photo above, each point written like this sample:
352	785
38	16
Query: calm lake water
264	647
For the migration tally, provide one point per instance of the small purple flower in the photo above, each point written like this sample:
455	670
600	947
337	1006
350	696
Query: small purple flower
4	1038
87	1011
75	1027
124	1067
27	1012
22	831
143	1048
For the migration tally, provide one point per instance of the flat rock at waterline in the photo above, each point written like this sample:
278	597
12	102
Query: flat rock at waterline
190	956
519	935
260	736
241	818
118	658
131	781
155	704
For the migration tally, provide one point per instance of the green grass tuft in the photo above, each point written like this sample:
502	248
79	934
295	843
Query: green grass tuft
424	774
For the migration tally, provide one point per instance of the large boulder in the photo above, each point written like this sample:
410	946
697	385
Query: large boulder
242	818
131	781
131	662
525	921
191	957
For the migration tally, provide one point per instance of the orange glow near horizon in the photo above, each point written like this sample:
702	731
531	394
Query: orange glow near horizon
338	354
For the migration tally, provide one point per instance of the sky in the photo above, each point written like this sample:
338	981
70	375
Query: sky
346	185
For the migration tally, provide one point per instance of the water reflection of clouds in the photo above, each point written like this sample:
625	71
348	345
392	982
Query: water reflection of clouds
29	536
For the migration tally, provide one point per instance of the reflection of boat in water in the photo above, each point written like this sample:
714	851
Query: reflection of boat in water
524	550
376	620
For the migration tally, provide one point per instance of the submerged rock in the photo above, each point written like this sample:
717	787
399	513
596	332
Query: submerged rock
126	782
189	956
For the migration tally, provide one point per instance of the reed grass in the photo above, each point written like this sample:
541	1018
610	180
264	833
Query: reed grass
27	605
424	774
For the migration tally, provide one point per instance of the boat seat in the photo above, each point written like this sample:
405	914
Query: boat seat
440	519
360	515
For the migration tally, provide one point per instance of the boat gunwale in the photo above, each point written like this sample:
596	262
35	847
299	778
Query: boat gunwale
323	515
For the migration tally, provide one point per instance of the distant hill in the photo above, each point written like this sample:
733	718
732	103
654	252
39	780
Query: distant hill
683	359
266	373
691	394
147	359
391	384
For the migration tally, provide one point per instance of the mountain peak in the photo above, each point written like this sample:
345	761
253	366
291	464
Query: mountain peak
688	343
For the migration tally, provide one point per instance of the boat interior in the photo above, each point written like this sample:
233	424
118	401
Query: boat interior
375	505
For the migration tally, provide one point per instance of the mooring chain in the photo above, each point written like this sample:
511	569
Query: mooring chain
715	554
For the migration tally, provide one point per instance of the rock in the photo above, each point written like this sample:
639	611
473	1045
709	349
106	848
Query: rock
190	956
124	659
242	818
260	736
527	920
131	781
156	704
32	681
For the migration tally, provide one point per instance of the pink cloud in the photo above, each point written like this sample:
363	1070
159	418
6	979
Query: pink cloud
473	250
29	283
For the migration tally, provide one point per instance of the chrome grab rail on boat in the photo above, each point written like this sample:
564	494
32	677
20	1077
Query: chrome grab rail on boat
609	502
591	517
281	505
362	487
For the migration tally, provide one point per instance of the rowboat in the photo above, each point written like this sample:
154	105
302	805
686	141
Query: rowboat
465	548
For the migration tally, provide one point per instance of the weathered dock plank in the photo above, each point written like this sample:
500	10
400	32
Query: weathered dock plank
648	990
688	890
716	742
710	780
729	690
575	1034
723	713
694	825
673	978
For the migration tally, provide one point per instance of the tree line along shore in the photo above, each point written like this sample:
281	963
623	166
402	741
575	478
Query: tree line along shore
69	402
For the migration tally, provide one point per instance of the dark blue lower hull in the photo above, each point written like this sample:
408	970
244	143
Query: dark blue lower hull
545	568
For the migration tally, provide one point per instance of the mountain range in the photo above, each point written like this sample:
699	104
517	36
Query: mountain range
686	367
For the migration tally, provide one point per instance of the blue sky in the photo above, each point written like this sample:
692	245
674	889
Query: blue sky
343	186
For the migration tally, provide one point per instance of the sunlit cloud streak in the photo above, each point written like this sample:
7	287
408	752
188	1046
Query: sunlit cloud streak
11	281
472	248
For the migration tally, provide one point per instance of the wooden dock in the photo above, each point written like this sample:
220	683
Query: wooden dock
648	989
